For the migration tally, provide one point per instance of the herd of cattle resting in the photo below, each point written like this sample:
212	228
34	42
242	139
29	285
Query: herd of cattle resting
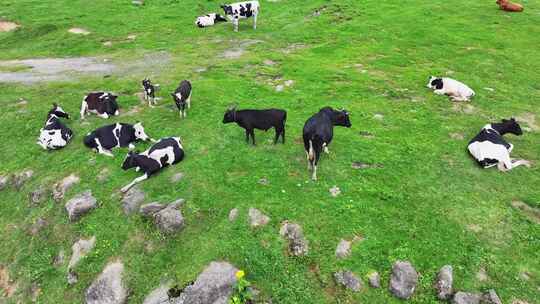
489	148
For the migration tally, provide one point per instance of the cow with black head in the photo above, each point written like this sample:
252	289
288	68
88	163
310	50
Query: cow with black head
101	103
103	139
165	152
182	97
55	135
149	90
242	10
490	149
319	132
264	120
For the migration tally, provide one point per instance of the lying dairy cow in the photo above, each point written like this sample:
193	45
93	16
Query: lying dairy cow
116	135
101	103
167	151
490	149
55	135
209	20
242	10
455	90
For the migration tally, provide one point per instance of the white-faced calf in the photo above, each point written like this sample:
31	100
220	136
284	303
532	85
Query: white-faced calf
182	97
242	10
149	90
101	103
209	20
318	133
167	151
55	135
116	135
452	88
258	119
490	149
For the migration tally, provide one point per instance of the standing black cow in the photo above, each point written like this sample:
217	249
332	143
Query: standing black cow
167	151
318	133
182	97
258	119
55	135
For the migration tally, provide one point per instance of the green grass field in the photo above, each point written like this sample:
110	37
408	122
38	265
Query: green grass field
428	203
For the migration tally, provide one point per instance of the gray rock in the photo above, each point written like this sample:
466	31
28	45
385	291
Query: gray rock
21	178
169	220
444	282
80	249
103	175
298	245
108	288
37	196
490	297
80	205
132	200
60	188
177	177
39	225
374	279
149	210
264	181
348	279
4	182
158	295
233	214
403	280
343	249
466	298
59	259
177	204
72	277
280	88
257	218
213	286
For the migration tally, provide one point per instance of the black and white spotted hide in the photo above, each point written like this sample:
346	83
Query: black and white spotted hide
242	10
55	135
149	90
209	20
182	97
116	135
101	103
167	151
490	149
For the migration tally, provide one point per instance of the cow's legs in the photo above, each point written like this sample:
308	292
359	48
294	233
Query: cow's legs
278	132
189	101
84	105
521	162
235	23
104	115
283	135
510	148
247	136
252	133
510	164
101	150
255	21
135	181
325	146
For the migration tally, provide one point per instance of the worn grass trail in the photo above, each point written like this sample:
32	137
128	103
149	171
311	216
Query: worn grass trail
429	203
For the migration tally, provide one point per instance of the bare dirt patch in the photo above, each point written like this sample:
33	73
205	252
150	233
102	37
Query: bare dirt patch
530	212
7	26
78	31
530	120
7	287
30	71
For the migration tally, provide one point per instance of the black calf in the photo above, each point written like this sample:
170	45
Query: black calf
258	119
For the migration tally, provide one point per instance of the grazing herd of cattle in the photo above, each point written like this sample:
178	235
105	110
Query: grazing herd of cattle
489	148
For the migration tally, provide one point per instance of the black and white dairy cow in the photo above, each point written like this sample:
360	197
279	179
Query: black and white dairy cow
490	149
242	10
209	20
116	135
55	135
318	133
455	90
167	151
149	90
182	97
101	103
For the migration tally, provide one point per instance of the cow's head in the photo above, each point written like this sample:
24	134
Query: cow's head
230	115
146	82
219	18
139	132
58	111
511	126
129	161
111	106
227	9
341	118
435	83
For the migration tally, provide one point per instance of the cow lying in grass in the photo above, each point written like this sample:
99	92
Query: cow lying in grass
167	151
490	149
508	6
101	103
242	10
209	20
116	135
258	119
318	133
55	135
454	89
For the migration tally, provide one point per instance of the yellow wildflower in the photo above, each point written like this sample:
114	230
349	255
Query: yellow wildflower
240	274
